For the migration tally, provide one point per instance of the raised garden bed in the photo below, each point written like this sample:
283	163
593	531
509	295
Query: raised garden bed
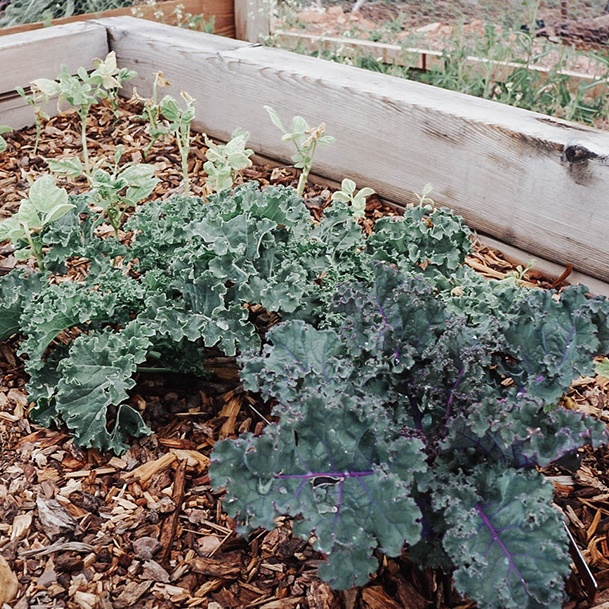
174	12
218	60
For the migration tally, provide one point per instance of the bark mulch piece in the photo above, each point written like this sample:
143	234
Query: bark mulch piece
85	530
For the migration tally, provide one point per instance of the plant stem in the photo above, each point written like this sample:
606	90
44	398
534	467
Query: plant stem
83	138
183	140
36	246
150	370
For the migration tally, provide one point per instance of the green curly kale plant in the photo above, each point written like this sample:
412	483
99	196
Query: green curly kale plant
413	401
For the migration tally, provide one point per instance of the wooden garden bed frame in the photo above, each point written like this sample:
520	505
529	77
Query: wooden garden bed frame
535	185
241	19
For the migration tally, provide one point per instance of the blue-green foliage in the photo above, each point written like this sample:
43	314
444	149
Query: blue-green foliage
413	400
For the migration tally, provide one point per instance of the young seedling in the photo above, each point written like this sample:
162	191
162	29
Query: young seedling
152	110
83	90
225	161
3	142
37	100
117	190
424	198
45	203
305	140
108	78
179	124
357	199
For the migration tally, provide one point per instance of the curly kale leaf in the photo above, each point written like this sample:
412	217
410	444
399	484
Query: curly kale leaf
332	469
201	314
518	432
553	340
58	307
74	236
394	317
296	358
505	537
17	288
94	382
430	241
162	227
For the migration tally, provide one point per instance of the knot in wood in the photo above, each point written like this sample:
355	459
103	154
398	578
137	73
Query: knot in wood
577	153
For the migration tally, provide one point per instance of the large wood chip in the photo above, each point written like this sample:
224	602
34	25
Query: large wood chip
230	410
132	593
321	596
215	567
54	519
146	471
9	584
283	603
377	598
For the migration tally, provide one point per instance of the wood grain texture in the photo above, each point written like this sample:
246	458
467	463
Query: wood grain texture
252	20
40	54
222	11
505	170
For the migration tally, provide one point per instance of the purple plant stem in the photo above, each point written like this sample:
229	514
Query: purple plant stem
340	475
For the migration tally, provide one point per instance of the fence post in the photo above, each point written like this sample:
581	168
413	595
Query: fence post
252	19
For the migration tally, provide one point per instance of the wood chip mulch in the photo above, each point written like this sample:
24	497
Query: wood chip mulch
85	530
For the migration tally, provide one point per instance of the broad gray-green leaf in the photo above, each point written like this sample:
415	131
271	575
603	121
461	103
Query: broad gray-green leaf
333	470
11	230
506	538
47	197
71	167
93	390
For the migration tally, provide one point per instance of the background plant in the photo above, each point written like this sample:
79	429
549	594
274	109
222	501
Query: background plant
225	161
356	198
27	11
180	120
305	139
519	84
83	90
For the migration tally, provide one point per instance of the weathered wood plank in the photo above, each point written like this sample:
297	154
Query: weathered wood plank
41	53
534	182
425	59
222	11
252	19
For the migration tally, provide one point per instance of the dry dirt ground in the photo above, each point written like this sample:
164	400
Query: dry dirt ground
87	530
